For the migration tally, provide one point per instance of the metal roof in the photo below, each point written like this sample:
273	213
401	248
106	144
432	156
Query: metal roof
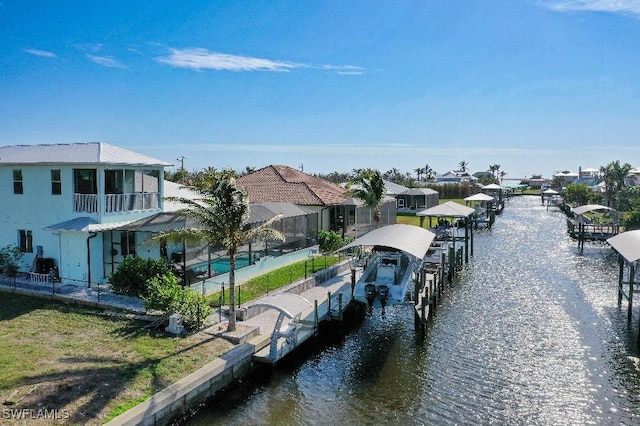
75	153
627	244
447	209
393	188
419	191
492	186
588	208
408	238
479	197
172	189
85	224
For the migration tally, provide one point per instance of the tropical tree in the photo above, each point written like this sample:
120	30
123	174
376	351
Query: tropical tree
494	169
463	166
502	174
614	175
394	175
368	186
222	216
429	173
419	172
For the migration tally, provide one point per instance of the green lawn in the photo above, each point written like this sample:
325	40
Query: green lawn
71	358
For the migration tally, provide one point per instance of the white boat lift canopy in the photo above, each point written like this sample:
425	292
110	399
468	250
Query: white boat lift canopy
627	244
407	238
589	208
480	196
448	209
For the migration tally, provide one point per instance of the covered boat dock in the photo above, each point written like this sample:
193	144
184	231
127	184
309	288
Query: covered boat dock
627	244
597	228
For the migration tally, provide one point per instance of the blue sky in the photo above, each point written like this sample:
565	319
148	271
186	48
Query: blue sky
536	86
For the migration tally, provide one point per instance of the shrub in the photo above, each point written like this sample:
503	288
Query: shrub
631	221
132	275
165	294
330	241
10	257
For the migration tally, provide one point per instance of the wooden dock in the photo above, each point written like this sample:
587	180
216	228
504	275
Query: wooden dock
286	320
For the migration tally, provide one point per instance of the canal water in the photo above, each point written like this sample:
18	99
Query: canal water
529	333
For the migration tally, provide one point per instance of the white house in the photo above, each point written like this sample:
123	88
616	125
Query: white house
63	203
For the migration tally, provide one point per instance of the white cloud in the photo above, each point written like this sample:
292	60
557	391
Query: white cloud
106	61
625	7
202	59
42	53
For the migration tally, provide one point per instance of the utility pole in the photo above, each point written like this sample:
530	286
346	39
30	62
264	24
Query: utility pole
181	160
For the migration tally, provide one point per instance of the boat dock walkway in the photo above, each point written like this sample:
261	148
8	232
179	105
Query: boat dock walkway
288	318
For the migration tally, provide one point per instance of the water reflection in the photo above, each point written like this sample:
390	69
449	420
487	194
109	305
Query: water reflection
530	333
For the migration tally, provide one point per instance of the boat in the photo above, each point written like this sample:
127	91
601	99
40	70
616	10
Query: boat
396	253
388	279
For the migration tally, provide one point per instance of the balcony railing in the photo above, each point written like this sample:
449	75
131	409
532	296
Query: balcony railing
113	203
85	203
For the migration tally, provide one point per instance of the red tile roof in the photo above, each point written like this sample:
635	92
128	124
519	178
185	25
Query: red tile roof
288	185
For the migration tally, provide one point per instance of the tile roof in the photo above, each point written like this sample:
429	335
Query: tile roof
75	153
288	185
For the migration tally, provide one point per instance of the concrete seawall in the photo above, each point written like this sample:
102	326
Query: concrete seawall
166	405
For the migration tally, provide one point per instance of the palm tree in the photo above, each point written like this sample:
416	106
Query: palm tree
419	172
614	175
222	214
463	166
502	175
494	169
429	173
368	187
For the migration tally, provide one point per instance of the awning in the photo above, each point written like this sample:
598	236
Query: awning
85	224
492	186
627	244
588	208
479	197
550	191
407	238
448	209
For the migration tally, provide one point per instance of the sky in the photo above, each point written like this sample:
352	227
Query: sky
535	86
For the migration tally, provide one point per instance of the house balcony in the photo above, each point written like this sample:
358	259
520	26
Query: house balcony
117	203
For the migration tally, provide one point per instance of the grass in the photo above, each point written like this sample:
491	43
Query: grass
263	284
63	357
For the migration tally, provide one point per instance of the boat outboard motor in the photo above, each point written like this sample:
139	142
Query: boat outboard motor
383	295
370	293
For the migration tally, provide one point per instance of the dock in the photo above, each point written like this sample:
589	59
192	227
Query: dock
288	318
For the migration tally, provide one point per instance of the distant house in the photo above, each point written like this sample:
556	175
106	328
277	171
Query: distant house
417	199
62	205
336	210
456	176
538	182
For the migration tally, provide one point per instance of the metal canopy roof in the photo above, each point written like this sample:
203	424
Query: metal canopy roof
588	208
408	238
492	186
627	244
85	224
479	197
448	209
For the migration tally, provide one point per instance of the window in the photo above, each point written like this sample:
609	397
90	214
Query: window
26	241
17	182
56	182
128	243
85	181
113	182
